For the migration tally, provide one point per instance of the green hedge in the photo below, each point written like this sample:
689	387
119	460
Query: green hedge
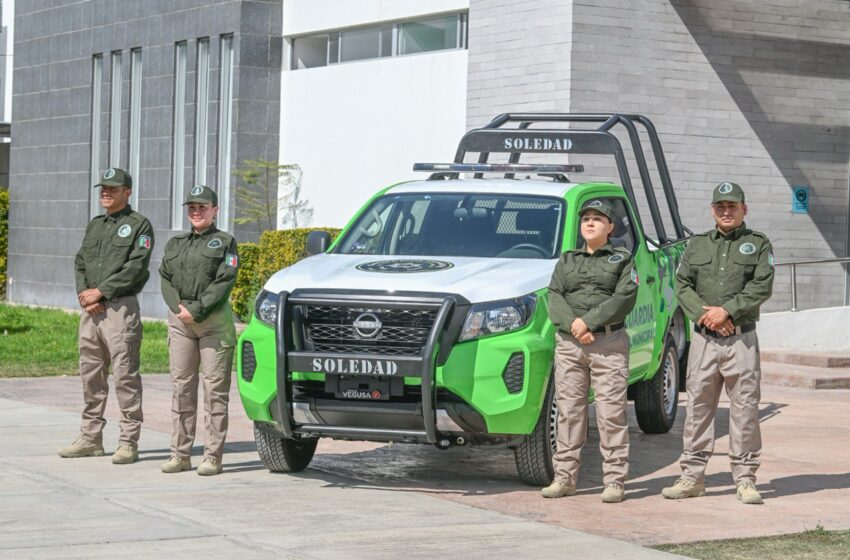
257	263
4	239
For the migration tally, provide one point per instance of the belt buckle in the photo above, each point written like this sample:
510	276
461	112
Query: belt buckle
737	330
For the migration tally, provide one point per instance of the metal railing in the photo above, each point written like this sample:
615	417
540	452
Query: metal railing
794	266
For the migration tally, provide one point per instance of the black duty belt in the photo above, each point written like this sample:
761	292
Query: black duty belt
608	329
741	329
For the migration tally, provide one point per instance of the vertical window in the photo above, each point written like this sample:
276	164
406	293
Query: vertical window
202	109
179	136
135	120
115	111
96	89
225	97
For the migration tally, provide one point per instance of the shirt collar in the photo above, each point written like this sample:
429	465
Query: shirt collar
732	235
120	214
206	233
607	248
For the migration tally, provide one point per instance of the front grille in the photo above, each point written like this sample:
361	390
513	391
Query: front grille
249	361
514	374
403	332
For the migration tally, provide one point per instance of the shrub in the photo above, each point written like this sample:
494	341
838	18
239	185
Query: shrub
257	263
4	239
247	284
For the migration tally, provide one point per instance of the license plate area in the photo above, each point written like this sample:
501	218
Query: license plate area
364	387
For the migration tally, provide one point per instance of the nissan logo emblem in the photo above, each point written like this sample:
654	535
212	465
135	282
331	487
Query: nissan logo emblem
367	325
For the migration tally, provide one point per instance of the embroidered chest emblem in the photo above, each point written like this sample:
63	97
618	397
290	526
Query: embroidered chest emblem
747	249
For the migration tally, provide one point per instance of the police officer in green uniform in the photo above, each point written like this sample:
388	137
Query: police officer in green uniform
591	293
111	267
725	275
198	271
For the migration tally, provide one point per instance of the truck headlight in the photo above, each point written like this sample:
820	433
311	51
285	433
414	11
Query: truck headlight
496	317
265	308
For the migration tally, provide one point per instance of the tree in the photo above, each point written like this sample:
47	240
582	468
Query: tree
259	198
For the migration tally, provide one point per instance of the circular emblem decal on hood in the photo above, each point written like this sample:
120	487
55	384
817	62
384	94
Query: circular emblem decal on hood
404	266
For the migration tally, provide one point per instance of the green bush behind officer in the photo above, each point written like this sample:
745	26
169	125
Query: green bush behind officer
197	273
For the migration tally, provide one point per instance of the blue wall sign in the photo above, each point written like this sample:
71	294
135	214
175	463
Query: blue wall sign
800	200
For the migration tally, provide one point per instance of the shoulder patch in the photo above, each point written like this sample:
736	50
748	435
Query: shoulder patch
125	230
634	276
231	260
770	260
214	243
145	241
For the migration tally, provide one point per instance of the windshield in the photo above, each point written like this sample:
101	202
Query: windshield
458	225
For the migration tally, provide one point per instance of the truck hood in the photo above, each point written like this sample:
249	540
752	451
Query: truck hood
476	279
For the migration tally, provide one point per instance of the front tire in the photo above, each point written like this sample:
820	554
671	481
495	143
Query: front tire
534	455
280	454
657	399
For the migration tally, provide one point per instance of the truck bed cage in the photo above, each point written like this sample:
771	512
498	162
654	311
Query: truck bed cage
597	140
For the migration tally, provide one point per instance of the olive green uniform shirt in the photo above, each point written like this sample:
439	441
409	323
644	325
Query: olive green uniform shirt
199	270
599	287
733	271
115	254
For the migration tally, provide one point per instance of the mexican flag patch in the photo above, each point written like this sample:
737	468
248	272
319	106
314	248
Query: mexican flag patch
231	260
145	241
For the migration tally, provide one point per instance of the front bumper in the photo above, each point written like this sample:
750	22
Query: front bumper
458	388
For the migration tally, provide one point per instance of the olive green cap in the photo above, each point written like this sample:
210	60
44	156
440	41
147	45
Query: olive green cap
599	206
115	177
728	191
203	195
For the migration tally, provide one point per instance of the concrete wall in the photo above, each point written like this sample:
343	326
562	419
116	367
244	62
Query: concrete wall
745	91
821	330
50	176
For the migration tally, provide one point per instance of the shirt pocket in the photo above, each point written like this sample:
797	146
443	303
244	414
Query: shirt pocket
211	260
701	265
745	266
608	276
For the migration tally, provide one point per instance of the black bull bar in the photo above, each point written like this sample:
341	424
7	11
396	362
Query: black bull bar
423	366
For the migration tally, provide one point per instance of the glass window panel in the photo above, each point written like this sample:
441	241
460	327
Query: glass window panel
333	48
310	52
429	35
115	111
358	44
135	120
387	41
225	127
96	101
179	136
202	109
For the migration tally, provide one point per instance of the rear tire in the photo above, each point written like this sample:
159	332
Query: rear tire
534	455
657	399
280	454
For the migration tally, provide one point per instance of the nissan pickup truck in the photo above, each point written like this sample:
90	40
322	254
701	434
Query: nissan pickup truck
426	320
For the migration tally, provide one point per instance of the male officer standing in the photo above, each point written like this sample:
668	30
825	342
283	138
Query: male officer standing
726	274
111	268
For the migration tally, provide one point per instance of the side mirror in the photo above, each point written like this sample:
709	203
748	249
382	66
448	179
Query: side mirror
317	242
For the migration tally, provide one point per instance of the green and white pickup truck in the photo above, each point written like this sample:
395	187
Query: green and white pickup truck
426	321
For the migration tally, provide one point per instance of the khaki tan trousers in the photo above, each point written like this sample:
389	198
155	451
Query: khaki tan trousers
713	363
112	337
202	350
604	366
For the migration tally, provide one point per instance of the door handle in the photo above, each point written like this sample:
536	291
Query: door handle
650	279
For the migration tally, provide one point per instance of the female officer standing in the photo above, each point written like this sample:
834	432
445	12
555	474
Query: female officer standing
591	292
198	271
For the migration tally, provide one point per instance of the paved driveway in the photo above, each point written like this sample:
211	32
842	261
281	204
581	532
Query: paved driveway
805	479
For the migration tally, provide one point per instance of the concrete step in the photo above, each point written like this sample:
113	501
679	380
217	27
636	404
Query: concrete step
804	377
806	358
